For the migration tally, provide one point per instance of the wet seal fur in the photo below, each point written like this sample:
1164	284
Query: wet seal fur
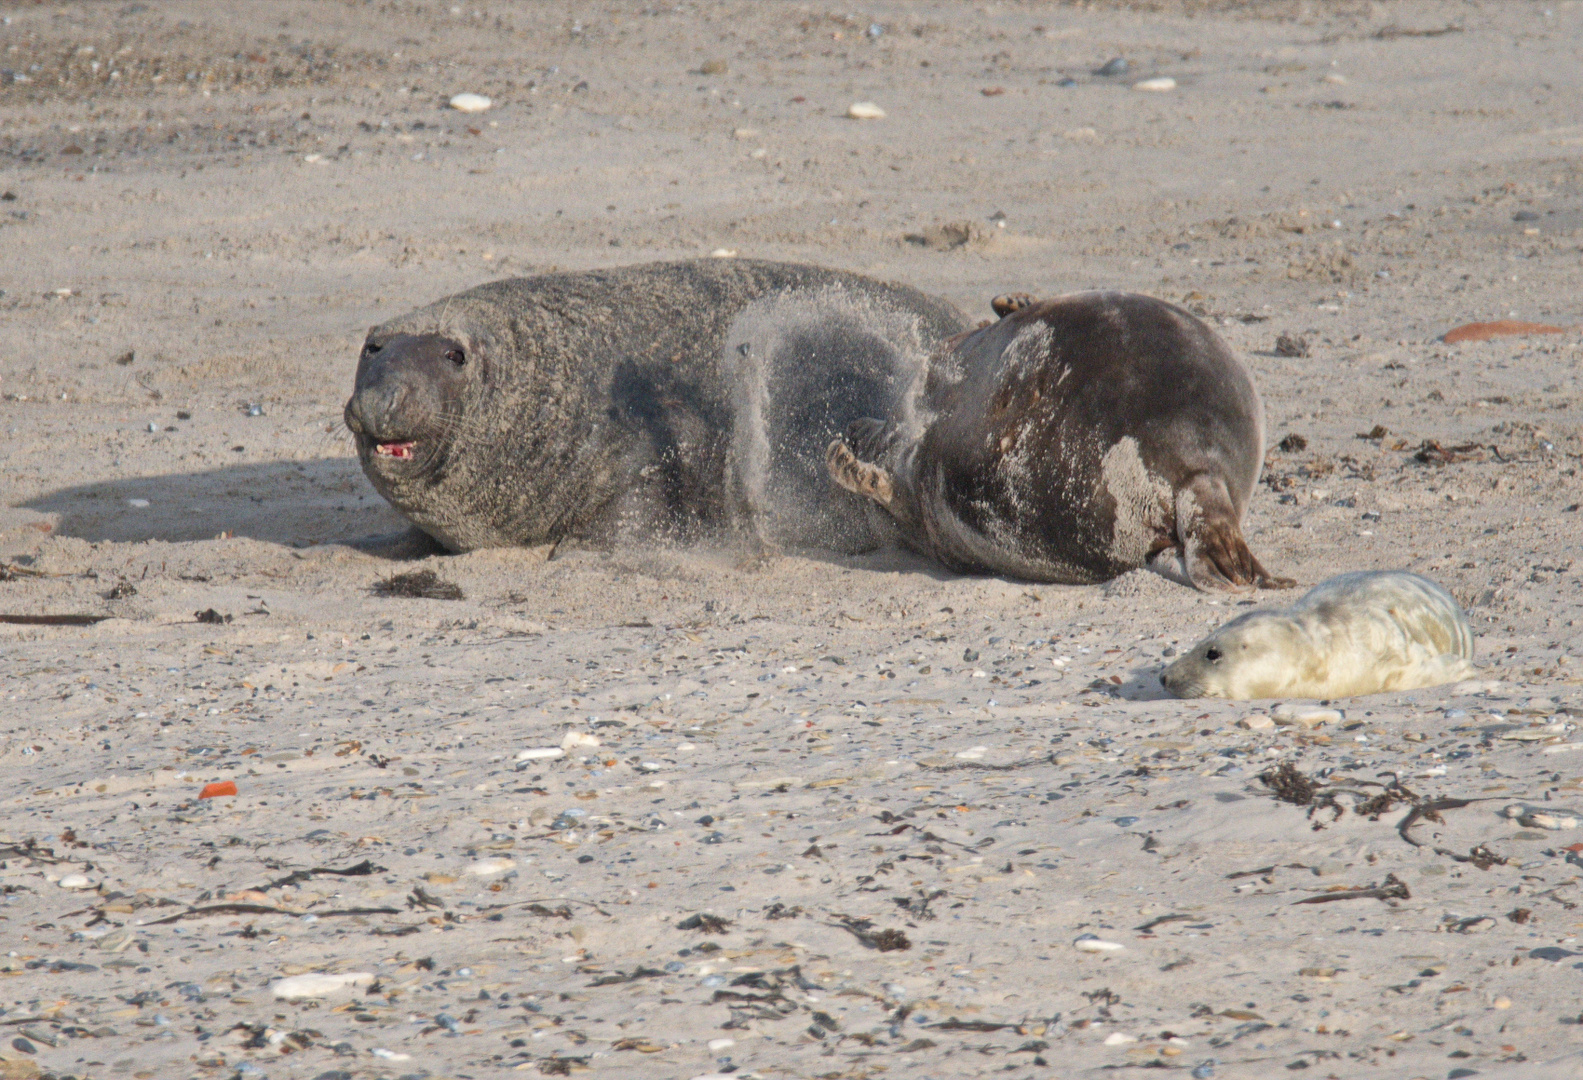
669	401
1074	440
1362	633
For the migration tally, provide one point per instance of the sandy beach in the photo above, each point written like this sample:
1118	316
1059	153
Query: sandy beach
679	814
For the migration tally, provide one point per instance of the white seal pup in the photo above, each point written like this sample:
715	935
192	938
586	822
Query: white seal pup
1361	633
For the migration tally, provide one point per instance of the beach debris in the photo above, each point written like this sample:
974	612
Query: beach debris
470	103
1291	345
864	110
1430	452
489	867
1114	66
362	869
1392	888
1157	85
210	616
540	753
723	253
714	67
318	984
1091	943
1292	443
53	620
1119	1038
220	789
1289	785
1485	331
1305	716
882	940
574	740
1161	920
1534	818
705	923
76	881
949	236
418	584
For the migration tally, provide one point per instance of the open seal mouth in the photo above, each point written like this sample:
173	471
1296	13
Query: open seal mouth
400	450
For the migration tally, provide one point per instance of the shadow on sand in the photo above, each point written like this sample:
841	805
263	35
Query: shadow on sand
322	500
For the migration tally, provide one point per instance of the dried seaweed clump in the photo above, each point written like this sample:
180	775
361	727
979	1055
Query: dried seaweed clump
419	585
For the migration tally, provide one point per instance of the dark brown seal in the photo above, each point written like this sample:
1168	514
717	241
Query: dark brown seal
1074	440
672	401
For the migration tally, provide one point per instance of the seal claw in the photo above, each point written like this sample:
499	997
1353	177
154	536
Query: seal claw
858	477
1009	302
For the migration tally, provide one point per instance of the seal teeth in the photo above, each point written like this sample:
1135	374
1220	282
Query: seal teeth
400	450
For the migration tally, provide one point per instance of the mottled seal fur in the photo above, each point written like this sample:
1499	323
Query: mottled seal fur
1362	633
670	401
1074	440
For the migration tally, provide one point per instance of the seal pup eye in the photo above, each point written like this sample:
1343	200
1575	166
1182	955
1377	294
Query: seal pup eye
1211	655
369	348
456	356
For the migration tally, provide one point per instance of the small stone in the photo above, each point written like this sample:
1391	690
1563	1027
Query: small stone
1305	716
717	1045
490	867
745	133
1090	944
1081	134
1335	79
713	67
864	110
1256	722
1156	85
138	504
471	103
76	881
972	753
1502	1003
318	984
1117	1038
723	253
1534	819
540	753
575	739
390	1055
1116	66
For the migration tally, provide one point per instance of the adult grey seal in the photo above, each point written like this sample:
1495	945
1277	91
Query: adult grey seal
1074	440
668	401
1362	633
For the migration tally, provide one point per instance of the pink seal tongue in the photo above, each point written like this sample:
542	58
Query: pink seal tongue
395	449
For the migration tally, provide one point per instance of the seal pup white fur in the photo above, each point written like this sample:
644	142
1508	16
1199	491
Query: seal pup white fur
1361	633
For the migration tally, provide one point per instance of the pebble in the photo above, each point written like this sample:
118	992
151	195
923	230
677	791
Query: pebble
1204	1071
1117	1038
575	739
1307	716
1256	722
713	67
972	753
1091	944
723	253
471	103
1116	66
717	1045
76	881
1087	134
389	1055
1502	1003
139	504
1157	85
318	984
490	867
1335	80
865	110
540	753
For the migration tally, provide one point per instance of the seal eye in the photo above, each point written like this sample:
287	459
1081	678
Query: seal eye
1211	655
369	348
456	356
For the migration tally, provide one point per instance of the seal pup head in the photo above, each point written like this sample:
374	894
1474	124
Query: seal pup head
408	401
1253	656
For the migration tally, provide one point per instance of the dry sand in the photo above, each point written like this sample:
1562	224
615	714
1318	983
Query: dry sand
828	756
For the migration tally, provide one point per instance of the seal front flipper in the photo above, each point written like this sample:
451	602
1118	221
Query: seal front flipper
1213	553
858	476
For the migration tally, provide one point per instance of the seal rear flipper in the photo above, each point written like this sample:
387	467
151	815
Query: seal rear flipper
1215	555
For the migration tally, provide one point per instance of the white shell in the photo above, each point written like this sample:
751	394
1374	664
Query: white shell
1096	945
865	110
318	984
470	103
540	753
1157	85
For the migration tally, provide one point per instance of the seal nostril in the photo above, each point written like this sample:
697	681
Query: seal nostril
456	356
1212	655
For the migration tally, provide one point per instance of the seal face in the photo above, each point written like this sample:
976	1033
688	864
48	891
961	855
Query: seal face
1074	440
1362	633
671	401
